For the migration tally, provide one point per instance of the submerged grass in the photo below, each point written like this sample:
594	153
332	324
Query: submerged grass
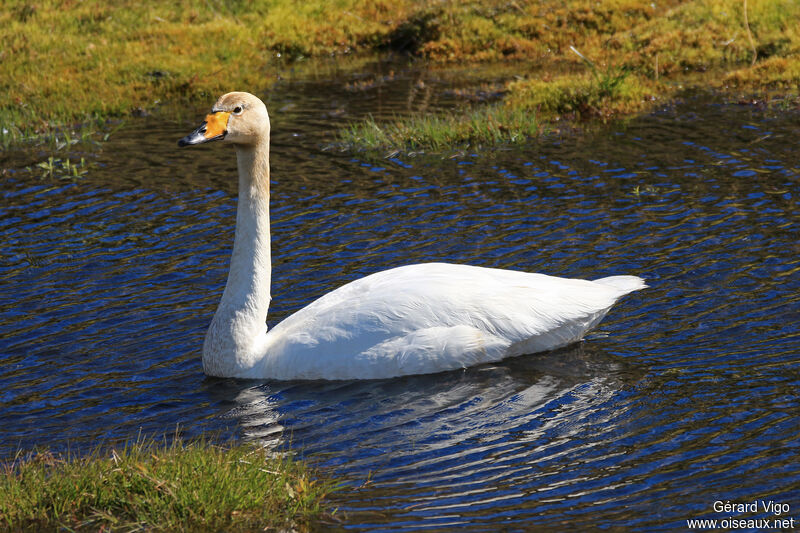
177	486
483	125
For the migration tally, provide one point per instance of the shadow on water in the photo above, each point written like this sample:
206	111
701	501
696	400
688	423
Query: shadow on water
686	395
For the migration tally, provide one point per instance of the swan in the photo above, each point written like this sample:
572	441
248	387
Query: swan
414	319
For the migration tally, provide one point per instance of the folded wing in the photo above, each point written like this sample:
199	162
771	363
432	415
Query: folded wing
433	317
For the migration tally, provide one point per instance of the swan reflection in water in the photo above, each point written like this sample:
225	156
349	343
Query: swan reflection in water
440	427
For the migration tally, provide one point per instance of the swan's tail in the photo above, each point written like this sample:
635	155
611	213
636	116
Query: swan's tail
625	284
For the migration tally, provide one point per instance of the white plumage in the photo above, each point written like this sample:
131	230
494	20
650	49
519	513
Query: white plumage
409	320
432	317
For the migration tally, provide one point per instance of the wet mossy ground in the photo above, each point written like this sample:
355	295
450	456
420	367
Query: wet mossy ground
88	61
601	60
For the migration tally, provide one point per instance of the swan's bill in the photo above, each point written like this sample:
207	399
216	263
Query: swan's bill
213	128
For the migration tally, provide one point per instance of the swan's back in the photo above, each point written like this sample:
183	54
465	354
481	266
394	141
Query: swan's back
434	317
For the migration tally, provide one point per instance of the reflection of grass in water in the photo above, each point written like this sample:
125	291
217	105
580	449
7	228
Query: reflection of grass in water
56	139
160	487
483	125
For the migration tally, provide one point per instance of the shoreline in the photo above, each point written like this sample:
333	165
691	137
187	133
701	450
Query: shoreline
164	484
94	63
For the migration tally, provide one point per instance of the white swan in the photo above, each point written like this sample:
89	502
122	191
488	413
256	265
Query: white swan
409	320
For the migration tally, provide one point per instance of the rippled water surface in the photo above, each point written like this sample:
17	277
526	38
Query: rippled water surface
686	394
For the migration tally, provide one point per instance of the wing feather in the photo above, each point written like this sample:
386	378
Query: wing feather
433	317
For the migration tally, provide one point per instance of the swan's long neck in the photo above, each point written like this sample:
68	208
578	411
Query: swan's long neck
240	320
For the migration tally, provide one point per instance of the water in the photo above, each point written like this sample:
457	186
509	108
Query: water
687	393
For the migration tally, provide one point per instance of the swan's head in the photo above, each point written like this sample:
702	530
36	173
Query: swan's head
239	118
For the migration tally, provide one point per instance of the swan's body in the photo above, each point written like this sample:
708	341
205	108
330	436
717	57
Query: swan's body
409	320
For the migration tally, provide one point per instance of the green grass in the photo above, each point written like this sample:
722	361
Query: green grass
483	125
76	61
62	168
612	92
180	486
598	60
68	62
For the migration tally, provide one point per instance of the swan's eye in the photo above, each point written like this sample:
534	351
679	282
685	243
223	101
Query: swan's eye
237	110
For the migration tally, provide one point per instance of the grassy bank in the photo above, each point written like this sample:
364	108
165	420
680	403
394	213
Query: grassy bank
599	60
74	61
160	487
62	62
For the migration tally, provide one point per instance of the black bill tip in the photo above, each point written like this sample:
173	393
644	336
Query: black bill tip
198	136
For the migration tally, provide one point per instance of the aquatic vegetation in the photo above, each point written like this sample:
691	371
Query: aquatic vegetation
159	487
481	125
62	168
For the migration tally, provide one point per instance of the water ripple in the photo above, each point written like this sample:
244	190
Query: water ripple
686	394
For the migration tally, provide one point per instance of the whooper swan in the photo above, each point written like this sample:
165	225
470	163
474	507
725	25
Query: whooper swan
413	319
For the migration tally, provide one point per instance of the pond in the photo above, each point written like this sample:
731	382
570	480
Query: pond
685	395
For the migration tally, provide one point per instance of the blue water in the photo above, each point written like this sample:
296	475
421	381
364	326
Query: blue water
686	394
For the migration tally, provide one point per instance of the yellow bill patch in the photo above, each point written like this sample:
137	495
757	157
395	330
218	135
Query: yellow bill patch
216	124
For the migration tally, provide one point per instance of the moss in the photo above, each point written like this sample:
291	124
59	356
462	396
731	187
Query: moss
67	61
640	52
610	93
412	33
775	73
73	61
